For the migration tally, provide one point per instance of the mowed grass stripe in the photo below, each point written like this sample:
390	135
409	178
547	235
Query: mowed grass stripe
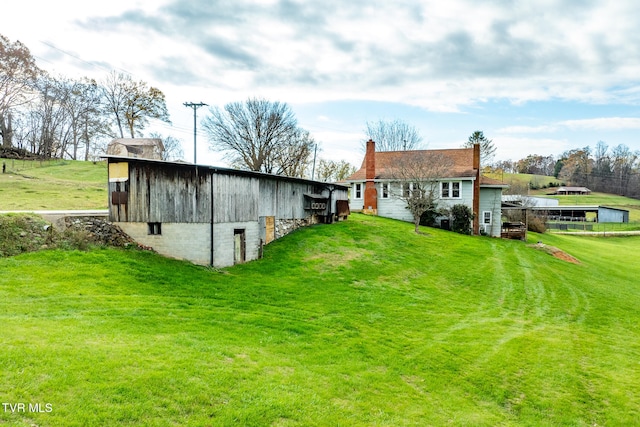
358	323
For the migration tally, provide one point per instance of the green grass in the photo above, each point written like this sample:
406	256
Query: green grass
357	323
524	179
54	184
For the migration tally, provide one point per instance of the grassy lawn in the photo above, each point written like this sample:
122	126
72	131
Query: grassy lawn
54	184
524	179
358	323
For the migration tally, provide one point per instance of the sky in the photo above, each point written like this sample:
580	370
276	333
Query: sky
536	76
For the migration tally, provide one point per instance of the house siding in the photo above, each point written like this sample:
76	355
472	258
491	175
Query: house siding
356	204
396	208
490	200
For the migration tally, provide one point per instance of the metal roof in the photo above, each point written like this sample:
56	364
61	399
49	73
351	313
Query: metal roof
221	170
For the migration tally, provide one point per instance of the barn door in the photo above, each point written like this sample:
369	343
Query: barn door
239	246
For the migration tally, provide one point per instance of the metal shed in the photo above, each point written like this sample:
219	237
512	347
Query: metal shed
212	215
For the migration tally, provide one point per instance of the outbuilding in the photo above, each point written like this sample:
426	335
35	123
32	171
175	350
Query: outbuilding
212	215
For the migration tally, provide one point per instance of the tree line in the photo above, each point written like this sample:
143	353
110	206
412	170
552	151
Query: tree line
610	170
58	117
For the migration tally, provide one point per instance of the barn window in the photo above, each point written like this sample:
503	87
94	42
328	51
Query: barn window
486	217
154	228
358	191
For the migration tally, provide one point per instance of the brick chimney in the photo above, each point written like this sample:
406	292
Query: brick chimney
476	189
370	193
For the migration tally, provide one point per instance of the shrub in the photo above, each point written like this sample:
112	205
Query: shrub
536	224
461	217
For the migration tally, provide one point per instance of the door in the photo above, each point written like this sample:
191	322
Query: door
239	251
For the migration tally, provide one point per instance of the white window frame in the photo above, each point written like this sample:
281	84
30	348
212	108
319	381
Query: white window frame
484	217
357	188
385	190
407	188
449	189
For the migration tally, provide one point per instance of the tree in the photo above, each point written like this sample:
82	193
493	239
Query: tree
48	119
461	217
18	75
291	157
487	149
132	103
418	175
602	172
392	135
576	167
81	102
172	146
623	167
259	135
332	171
536	164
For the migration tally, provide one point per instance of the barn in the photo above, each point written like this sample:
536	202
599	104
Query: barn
211	215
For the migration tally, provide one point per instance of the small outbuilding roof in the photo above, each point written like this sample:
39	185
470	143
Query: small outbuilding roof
583	190
150	148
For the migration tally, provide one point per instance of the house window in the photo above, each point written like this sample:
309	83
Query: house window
450	190
455	190
406	189
486	217
358	191
154	228
385	190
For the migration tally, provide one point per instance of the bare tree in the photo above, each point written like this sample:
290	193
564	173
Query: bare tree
259	135
18	75
81	103
419	176
392	135
291	158
172	147
49	119
624	161
114	92
132	103
487	149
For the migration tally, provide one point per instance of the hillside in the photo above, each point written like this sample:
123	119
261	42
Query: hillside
357	323
53	185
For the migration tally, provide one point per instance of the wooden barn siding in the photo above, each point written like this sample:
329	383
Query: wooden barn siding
161	194
235	198
174	194
283	199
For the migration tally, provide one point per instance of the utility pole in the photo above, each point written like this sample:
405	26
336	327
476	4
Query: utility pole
195	106
313	171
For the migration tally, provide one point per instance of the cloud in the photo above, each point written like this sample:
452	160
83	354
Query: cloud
601	123
438	55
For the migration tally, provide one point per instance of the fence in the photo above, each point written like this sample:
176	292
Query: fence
602	227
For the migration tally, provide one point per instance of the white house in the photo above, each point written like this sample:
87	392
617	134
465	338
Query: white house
374	185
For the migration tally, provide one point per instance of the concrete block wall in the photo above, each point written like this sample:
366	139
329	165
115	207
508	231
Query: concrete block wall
188	241
223	242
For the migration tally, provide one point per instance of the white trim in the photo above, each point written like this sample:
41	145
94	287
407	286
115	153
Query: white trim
450	190
385	194
484	217
357	190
